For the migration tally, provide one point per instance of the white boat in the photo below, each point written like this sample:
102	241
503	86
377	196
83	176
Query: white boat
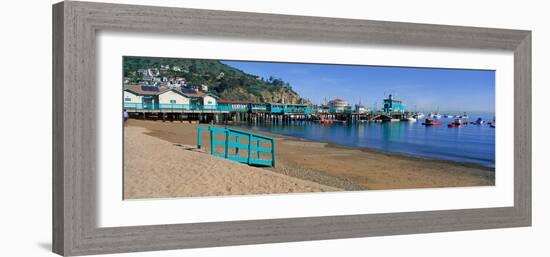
409	119
420	115
437	116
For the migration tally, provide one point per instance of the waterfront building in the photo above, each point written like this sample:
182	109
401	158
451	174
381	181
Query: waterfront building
231	105
338	105
141	97
258	107
359	108
393	106
320	108
152	98
173	98
290	108
207	101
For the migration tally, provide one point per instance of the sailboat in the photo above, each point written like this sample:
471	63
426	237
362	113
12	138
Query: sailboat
436	115
492	124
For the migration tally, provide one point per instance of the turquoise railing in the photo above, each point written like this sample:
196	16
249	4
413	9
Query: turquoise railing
297	110
277	110
239	146
258	108
226	107
141	106
176	107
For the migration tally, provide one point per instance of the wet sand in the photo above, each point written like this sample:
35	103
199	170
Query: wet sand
342	167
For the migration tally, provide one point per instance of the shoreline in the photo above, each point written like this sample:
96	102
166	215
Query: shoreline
370	150
345	167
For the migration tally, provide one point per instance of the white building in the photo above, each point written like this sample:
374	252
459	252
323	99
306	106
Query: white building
140	97
339	105
206	100
131	97
360	108
151	97
173	96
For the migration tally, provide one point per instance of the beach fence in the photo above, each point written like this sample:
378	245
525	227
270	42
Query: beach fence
239	146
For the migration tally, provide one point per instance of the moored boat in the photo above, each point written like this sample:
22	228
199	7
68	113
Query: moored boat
324	121
456	123
430	122
409	119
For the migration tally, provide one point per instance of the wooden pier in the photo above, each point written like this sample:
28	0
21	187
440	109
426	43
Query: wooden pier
254	113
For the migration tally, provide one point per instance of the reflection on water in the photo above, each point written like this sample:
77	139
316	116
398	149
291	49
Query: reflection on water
469	144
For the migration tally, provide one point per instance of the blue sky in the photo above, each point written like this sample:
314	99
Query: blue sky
426	89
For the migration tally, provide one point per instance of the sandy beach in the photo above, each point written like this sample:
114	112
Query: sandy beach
157	165
156	168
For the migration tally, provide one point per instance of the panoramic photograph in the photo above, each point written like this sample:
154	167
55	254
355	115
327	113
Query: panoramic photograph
199	127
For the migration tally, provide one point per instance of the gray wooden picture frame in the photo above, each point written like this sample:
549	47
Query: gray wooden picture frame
74	128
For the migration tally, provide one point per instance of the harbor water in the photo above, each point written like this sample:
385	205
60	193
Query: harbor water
466	144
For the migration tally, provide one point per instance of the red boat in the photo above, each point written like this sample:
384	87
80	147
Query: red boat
430	122
324	121
456	123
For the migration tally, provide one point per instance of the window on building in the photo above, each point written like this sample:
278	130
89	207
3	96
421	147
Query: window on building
209	102
127	99
172	101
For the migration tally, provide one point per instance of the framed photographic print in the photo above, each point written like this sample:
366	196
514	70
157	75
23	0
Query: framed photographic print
183	128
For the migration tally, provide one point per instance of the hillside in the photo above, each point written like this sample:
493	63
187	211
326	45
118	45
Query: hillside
225	81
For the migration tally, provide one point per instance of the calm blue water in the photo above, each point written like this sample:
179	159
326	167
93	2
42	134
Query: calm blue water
468	144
